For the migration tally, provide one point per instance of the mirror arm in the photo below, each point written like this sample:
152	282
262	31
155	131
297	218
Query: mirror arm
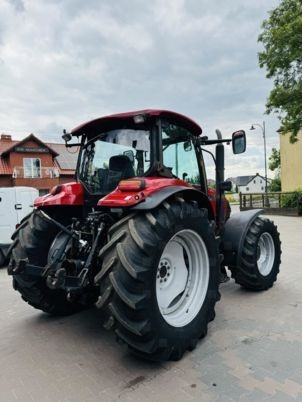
77	144
212	142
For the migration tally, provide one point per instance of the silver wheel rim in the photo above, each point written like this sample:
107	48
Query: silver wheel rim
266	254
182	278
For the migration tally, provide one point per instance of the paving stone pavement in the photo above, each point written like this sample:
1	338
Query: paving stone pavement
253	351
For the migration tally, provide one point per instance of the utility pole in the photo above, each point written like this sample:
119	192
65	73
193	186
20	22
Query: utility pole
264	141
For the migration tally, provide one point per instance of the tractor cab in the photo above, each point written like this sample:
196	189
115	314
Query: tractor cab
140	144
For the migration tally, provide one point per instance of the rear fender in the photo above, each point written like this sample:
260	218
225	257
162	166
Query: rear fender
156	190
234	234
189	194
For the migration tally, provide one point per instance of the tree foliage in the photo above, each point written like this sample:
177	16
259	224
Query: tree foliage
274	160
275	165
282	57
275	184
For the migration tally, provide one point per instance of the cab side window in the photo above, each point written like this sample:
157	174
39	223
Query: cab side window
179	154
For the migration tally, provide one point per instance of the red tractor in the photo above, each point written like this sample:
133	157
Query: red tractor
139	235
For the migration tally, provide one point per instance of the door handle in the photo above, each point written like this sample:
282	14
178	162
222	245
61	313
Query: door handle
18	206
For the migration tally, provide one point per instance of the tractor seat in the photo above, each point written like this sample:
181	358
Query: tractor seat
120	167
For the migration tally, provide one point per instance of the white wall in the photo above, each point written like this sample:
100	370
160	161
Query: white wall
256	185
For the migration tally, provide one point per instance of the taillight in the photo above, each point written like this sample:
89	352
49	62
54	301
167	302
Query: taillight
17	225
132	185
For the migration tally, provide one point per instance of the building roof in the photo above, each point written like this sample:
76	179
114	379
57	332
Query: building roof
244	180
30	137
5	167
5	145
64	159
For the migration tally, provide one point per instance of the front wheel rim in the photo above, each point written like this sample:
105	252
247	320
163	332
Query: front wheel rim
182	278
265	254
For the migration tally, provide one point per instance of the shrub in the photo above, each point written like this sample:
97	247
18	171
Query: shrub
230	197
293	200
275	185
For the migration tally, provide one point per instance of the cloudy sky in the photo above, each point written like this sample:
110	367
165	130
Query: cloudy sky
63	62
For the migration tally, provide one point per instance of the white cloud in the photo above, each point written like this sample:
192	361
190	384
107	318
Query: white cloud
63	62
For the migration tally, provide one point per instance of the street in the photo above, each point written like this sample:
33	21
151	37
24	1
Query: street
253	350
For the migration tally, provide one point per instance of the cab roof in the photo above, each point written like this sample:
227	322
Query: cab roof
108	122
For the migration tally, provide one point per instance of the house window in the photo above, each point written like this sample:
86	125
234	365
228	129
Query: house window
254	181
262	188
247	189
260	181
32	167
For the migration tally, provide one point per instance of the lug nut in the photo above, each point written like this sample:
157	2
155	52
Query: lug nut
168	274
165	279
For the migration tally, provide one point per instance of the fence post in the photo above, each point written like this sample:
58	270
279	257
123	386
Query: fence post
262	200
251	201
240	200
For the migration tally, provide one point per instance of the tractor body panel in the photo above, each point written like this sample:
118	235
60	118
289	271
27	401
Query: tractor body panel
64	194
121	198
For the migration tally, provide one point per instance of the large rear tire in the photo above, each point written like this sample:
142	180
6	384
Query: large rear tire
164	275
260	260
32	241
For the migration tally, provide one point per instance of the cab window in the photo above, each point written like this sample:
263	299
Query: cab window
179	154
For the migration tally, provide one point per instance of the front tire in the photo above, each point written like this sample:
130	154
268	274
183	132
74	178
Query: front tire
260	260
154	324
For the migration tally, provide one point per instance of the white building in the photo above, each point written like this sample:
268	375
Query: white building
251	184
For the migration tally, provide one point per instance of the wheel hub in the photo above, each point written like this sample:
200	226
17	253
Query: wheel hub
265	253
163	268
182	278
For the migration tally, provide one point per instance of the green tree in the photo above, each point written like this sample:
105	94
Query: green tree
275	165
274	160
275	184
282	57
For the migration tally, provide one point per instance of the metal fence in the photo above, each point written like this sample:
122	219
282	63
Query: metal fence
279	203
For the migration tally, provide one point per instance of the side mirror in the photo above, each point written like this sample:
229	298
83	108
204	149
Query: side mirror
239	142
66	136
130	155
187	146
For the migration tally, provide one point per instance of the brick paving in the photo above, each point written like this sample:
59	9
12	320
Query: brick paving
253	351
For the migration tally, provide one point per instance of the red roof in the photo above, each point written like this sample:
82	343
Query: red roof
173	117
4	167
5	145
